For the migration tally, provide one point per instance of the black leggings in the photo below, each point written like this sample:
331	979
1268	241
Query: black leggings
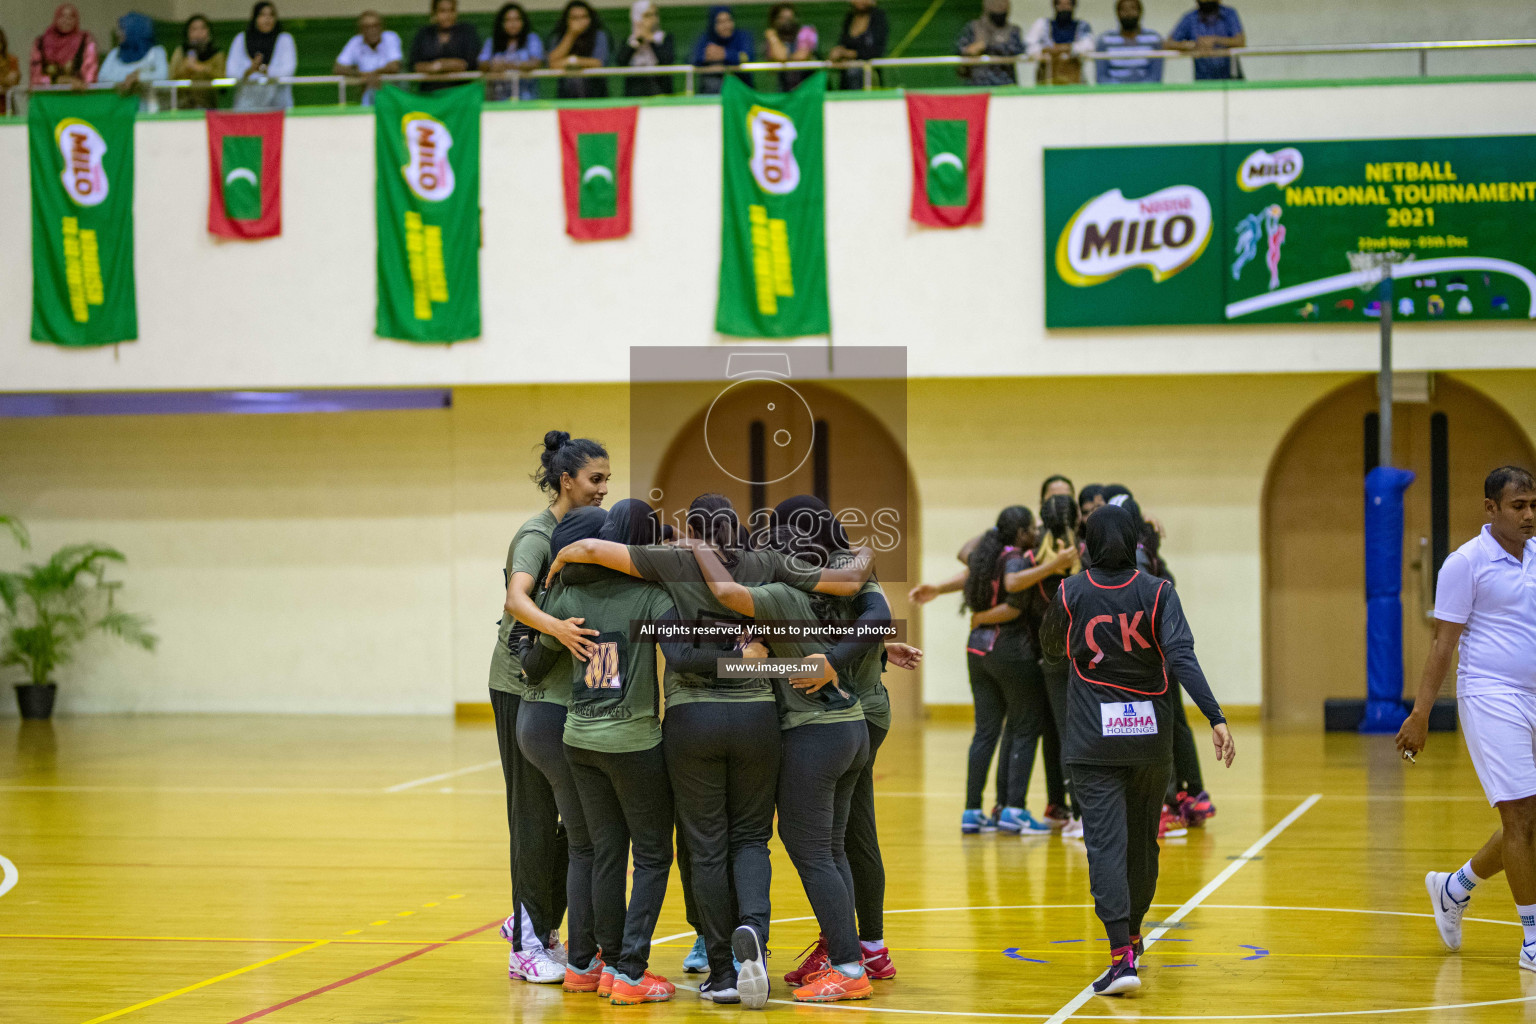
626	801
1055	675
863	846
1121	806
723	759
1007	692
822	765
540	728
539	855
1186	759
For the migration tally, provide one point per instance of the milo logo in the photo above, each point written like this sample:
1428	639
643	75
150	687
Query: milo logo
1260	168
83	149
427	170
773	151
1164	232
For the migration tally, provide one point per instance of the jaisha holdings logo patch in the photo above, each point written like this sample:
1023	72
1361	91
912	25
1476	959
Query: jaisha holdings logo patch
773	161
1164	232
81	145
427	170
1260	168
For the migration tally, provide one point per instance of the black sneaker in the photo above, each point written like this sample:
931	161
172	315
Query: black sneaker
719	990
751	972
1121	976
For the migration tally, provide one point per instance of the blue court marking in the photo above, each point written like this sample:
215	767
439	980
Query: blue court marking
1259	953
1013	954
1057	942
1178	965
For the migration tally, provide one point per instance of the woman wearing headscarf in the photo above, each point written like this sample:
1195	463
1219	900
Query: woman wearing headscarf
200	59
1124	634
10	70
579	41
258	55
647	45
1058	44
991	35
786	39
65	54
721	43
136	61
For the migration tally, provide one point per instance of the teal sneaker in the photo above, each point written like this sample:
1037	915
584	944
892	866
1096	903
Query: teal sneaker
975	820
697	961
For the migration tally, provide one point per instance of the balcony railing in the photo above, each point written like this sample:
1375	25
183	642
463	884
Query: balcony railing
170	90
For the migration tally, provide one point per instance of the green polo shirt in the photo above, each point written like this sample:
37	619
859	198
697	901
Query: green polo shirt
777	601
529	553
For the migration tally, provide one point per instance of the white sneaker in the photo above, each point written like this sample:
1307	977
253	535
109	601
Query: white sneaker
751	973
1528	956
535	966
1448	910
1072	829
556	950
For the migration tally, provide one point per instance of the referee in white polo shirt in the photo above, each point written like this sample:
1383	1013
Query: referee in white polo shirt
1486	599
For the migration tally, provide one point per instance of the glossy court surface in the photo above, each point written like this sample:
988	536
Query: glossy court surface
221	870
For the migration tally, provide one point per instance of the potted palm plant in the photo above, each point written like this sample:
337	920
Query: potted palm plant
46	610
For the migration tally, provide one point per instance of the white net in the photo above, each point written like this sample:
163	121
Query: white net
1370	267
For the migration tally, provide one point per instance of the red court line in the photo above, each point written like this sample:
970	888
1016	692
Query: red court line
254	942
363	974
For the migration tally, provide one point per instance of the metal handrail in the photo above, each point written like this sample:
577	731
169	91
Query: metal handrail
690	71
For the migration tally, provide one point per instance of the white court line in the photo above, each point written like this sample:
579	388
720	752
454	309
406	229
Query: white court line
1077	1001
11	875
402	786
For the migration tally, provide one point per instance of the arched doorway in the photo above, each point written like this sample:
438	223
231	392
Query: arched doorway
1314	548
854	464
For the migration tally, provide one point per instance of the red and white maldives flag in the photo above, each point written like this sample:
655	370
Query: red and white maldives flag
949	158
597	148
245	174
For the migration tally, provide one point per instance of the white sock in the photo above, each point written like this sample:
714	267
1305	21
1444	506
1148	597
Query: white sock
1528	921
1461	882
851	970
873	946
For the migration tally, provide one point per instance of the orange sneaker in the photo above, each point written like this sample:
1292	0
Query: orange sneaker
832	985
605	983
651	988
589	980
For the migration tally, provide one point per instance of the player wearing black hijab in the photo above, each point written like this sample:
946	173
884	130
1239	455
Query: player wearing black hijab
1124	634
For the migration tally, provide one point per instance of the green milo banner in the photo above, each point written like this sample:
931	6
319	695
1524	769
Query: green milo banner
428	148
82	217
773	244
1278	232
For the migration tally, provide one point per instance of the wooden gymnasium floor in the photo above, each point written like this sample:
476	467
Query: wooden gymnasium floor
220	870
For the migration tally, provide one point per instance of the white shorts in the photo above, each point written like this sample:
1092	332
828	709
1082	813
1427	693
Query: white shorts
1500	729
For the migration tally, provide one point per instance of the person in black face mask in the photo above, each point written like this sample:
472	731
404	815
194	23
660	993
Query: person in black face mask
1126	68
1125	635
1058	43
1211	27
992	35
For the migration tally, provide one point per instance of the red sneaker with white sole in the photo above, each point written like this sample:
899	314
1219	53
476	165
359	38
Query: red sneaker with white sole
815	962
878	966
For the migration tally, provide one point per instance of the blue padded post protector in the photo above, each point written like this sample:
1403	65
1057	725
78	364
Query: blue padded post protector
1384	710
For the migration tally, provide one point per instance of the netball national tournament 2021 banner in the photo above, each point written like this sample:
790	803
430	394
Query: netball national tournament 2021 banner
82	218
1265	233
428	148
773	242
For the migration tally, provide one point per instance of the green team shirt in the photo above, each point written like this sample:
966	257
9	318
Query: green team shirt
677	572
865	673
555	687
615	704
529	553
779	601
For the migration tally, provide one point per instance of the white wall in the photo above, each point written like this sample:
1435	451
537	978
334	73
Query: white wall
298	311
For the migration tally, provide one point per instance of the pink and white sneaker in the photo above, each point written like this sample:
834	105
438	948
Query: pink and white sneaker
533	963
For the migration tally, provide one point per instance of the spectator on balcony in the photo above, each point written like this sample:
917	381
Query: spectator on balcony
787	39
65	54
1058	44
136	61
445	46
1125	67
721	44
10	72
513	46
992	35
647	46
374	51
579	41
199	59
1210	28
260	54
863	37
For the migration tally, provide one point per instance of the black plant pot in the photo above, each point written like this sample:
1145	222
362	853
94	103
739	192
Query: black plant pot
36	701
